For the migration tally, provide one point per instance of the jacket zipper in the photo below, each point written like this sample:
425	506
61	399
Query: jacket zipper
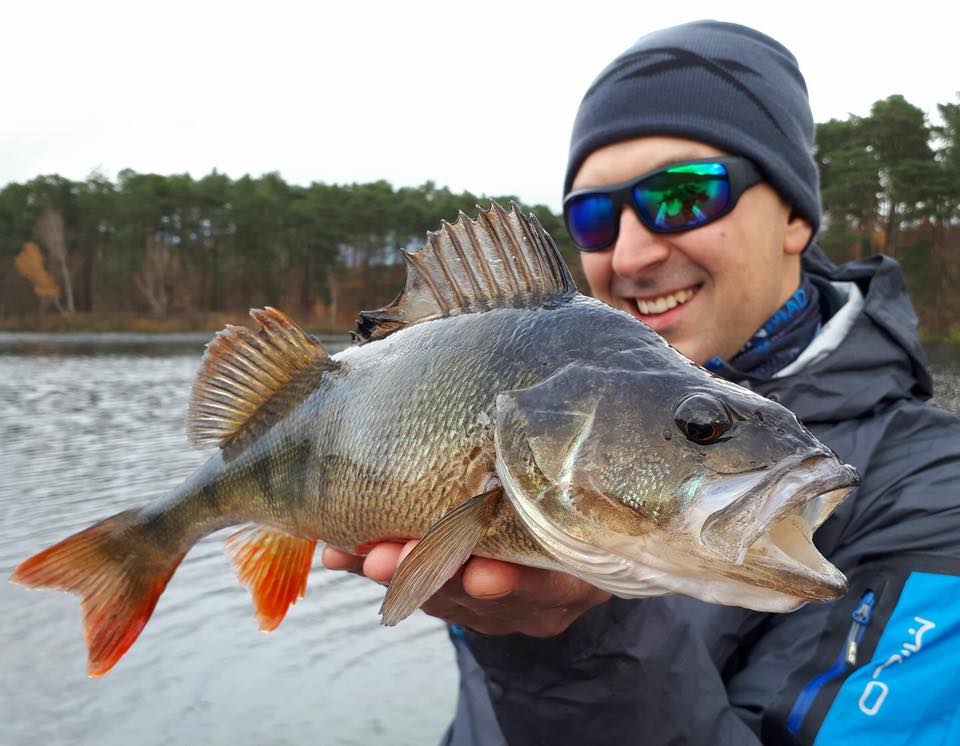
846	659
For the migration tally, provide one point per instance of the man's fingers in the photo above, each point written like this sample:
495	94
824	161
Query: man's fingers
549	588
489	596
407	548
487	579
382	561
337	559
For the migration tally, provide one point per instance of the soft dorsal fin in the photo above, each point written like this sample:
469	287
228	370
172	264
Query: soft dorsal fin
501	259
249	379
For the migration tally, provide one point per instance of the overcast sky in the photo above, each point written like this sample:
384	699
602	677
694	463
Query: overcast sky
478	96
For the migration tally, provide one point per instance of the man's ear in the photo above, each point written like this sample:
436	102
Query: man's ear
798	234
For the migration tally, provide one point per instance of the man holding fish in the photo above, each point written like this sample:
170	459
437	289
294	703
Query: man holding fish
607	526
693	195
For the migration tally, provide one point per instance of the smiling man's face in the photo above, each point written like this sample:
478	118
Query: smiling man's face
706	290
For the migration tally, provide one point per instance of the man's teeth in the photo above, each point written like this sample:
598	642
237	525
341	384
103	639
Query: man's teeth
663	303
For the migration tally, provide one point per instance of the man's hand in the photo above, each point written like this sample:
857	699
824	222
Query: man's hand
487	596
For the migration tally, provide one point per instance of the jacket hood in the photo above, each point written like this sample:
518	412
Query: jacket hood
879	360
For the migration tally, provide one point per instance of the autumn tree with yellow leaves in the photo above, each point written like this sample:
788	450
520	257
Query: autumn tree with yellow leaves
30	265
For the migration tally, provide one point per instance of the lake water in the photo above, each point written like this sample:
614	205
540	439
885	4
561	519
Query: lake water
94	424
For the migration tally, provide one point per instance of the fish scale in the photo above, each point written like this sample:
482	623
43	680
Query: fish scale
415	462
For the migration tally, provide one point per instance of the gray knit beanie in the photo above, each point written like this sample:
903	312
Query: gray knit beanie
718	83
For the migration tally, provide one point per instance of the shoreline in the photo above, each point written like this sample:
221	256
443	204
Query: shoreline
211	322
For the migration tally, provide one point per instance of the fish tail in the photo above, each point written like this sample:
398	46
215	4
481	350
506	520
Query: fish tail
119	571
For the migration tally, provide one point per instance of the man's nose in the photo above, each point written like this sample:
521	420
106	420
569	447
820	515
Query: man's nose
637	248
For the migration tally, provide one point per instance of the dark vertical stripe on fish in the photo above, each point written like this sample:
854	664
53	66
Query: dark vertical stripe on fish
303	459
211	497
263	473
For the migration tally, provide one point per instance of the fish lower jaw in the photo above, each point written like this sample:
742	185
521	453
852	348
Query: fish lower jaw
661	564
764	536
787	559
645	575
637	567
782	574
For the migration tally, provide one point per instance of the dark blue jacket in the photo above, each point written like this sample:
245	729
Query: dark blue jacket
881	665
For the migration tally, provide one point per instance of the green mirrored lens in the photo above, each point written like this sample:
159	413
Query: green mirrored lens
683	196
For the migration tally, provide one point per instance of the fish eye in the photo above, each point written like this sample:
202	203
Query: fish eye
702	418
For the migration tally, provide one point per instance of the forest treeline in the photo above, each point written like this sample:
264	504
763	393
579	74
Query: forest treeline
160	246
173	245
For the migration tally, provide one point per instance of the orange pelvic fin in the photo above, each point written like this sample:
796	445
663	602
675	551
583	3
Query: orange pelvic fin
274	565
117	574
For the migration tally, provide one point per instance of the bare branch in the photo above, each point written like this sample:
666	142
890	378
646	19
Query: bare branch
152	279
49	229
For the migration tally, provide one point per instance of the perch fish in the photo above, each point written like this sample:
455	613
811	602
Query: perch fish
493	411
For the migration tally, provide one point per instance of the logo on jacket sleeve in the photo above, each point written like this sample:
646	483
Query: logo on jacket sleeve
908	692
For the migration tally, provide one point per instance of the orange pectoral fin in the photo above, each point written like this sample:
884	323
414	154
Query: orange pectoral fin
274	565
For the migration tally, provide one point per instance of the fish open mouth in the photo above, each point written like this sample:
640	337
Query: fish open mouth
767	529
751	535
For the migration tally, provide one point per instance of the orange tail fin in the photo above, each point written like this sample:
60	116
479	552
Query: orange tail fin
117	571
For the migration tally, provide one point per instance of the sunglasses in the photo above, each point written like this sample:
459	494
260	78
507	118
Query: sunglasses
669	200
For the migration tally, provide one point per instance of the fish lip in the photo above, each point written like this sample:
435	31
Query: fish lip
844	477
732	530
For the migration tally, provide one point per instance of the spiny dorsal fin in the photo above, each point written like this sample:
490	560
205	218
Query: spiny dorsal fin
249	379
499	260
